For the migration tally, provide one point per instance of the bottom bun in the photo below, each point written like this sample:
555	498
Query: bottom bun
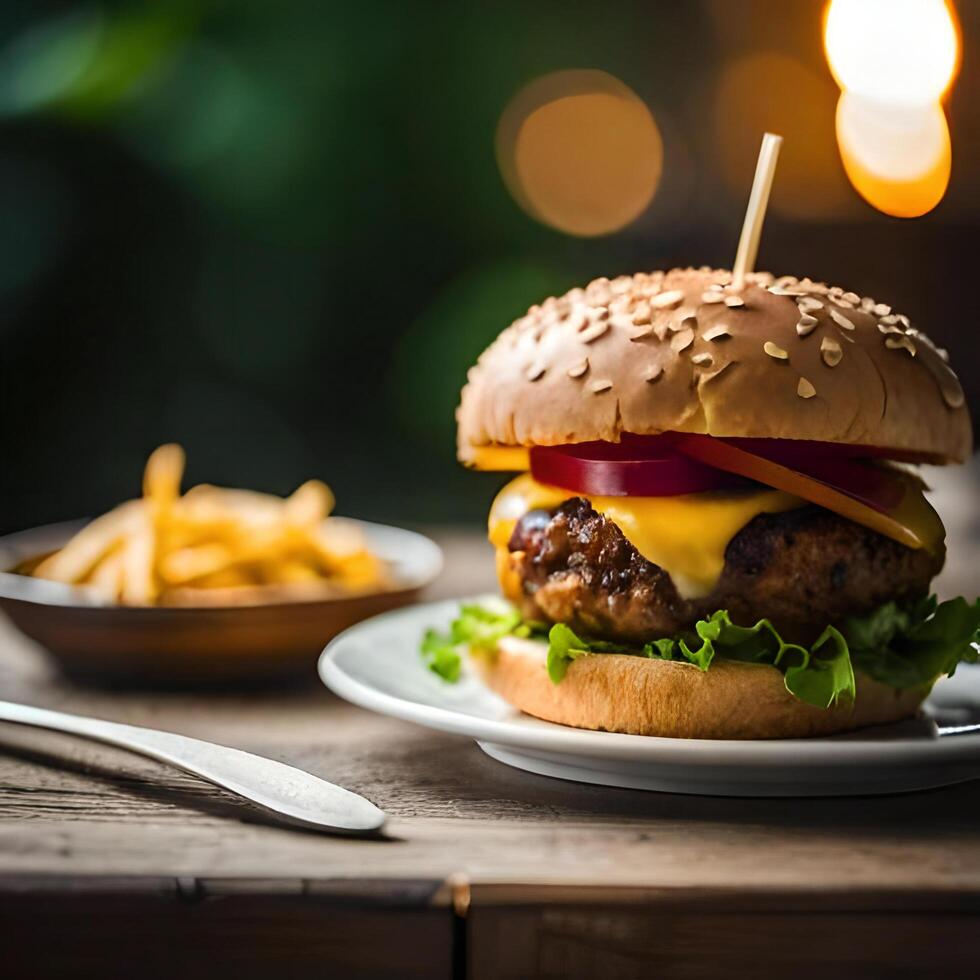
638	696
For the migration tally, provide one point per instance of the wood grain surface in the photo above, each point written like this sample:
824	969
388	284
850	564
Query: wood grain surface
484	871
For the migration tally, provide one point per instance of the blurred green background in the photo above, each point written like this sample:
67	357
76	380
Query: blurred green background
277	232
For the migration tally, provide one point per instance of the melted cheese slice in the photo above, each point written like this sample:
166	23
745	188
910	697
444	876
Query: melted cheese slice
685	535
504	459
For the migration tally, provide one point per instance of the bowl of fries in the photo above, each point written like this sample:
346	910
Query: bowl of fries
213	583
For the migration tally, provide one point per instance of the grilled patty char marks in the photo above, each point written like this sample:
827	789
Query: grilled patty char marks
802	569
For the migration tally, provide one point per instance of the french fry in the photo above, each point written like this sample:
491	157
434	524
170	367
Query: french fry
287	571
162	475
186	564
215	545
139	585
206	502
227	578
107	576
309	504
96	539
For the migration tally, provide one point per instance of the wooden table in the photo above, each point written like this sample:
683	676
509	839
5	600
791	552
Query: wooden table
111	865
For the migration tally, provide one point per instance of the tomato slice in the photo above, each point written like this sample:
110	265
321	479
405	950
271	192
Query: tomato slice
607	469
887	502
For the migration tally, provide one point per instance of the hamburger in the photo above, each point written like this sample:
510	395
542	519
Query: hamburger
716	529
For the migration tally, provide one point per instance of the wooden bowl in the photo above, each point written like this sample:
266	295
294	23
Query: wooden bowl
245	642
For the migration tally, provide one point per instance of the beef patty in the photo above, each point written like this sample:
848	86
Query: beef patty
802	569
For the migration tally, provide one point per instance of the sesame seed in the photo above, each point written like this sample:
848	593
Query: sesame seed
894	343
685	323
653	374
809	303
841	320
804	389
577	321
887	328
733	302
702	360
577	370
621	321
881	309
831	352
594	332
717	332
597	387
852	298
773	350
666	300
682	340
642	313
890	318
783	291
806	325
535	371
712	297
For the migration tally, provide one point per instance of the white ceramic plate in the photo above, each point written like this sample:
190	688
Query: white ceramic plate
376	664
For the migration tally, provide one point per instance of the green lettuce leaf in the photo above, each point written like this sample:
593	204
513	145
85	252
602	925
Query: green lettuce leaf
901	646
912	647
481	626
441	656
477	628
564	646
817	679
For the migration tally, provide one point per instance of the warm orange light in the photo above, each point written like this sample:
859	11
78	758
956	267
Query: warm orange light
580	151
798	102
895	51
894	61
898	159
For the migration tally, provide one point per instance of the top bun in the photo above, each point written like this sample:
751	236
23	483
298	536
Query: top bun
684	351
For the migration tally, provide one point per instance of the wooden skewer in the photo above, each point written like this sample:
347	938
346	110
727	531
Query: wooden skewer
755	213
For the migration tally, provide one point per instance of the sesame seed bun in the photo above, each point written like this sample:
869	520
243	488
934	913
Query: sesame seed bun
683	351
618	693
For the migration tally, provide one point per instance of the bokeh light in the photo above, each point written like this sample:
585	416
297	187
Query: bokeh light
580	151
901	52
774	92
898	159
894	61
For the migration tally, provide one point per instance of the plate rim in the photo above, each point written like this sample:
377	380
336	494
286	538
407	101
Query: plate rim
820	751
